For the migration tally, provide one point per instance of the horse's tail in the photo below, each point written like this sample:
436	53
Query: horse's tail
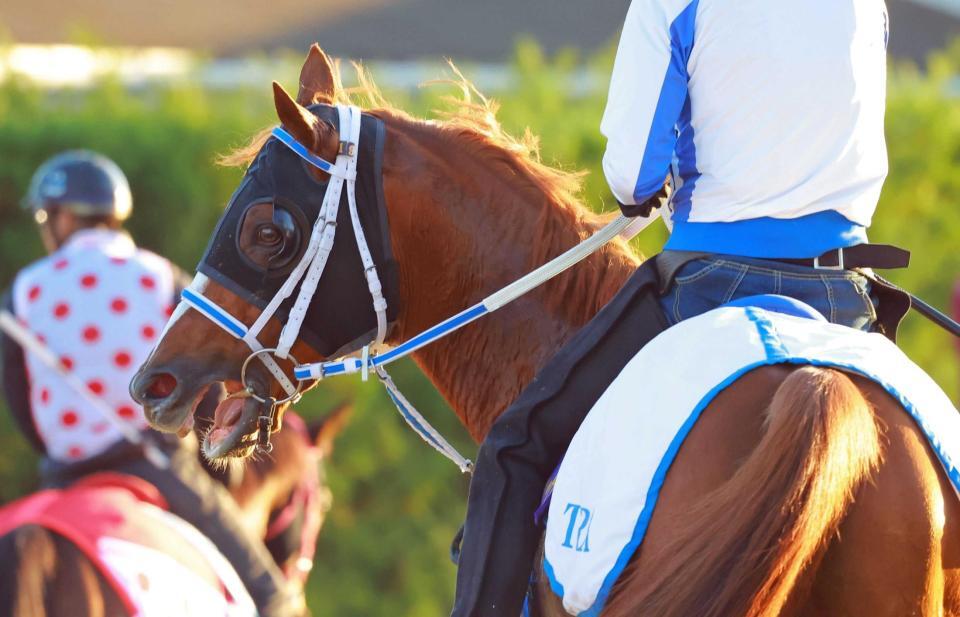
29	560
742	548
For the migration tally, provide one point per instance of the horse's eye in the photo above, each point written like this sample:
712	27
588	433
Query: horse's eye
269	235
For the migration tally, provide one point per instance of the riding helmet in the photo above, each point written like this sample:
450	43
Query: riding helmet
84	182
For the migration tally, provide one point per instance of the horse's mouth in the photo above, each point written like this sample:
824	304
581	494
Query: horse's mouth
233	433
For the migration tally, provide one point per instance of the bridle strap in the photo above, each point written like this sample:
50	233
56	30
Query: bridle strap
320	163
233	326
309	270
421	426
621	226
369	267
331	208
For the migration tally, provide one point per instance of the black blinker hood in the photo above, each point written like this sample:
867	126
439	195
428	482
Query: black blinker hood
341	318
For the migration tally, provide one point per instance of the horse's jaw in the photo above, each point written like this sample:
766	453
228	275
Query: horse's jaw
233	433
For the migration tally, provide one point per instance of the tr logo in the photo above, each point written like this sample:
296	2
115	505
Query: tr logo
578	528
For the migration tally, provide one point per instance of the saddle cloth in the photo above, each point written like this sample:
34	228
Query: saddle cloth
607	486
156	563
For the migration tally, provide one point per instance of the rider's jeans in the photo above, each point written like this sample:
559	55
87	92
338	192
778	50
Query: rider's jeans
842	296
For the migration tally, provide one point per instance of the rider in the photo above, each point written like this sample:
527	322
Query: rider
99	303
767	118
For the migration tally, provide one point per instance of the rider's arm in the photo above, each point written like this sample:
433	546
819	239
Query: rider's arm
16	388
648	91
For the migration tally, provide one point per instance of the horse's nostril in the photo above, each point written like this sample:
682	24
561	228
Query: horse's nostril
161	386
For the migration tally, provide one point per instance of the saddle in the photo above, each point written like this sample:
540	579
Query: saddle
597	518
155	562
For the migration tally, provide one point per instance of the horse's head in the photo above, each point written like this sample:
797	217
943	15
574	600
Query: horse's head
283	498
260	263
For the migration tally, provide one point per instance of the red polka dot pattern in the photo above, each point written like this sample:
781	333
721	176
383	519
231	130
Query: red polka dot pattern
100	305
91	334
61	310
122	359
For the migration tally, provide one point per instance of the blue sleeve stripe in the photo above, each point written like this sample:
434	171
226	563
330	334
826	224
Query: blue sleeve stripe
662	139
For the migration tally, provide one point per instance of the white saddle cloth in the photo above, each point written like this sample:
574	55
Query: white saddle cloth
608	483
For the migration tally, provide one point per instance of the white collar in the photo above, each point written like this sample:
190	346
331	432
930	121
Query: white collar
115	239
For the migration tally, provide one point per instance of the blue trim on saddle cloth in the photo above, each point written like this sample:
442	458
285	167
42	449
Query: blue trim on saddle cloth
798	238
644	520
776	353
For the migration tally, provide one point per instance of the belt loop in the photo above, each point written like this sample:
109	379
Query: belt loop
839	266
365	367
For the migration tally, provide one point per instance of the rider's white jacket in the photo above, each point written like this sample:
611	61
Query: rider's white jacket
768	115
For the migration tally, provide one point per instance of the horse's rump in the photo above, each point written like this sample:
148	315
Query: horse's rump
153	561
598	519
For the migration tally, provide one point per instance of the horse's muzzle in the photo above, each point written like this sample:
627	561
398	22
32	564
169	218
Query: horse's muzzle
164	398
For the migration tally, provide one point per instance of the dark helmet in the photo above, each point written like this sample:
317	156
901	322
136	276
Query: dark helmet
81	181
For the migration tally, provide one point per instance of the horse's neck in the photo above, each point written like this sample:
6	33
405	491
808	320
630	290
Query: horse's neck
476	228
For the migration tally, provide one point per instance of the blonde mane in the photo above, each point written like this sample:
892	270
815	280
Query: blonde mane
469	118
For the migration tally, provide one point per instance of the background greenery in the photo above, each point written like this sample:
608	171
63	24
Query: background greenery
398	504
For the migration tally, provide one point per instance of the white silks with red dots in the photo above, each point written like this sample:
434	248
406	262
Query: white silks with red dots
99	303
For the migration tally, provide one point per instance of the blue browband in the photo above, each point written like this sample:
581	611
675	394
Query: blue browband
300	150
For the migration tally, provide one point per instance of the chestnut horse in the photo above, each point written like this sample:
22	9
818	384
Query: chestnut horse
42	574
802	491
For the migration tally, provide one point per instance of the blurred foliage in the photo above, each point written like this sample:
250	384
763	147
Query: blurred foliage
398	504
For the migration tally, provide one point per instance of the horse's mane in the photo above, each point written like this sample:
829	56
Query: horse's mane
469	119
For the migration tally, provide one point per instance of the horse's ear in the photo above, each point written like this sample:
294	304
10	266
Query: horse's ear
317	83
296	119
325	430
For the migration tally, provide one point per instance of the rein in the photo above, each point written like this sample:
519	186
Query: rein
311	268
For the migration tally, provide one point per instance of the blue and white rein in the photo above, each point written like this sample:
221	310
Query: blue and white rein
311	268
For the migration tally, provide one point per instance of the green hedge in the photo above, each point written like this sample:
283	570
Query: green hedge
397	504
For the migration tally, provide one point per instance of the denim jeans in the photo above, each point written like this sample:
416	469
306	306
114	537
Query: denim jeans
842	296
